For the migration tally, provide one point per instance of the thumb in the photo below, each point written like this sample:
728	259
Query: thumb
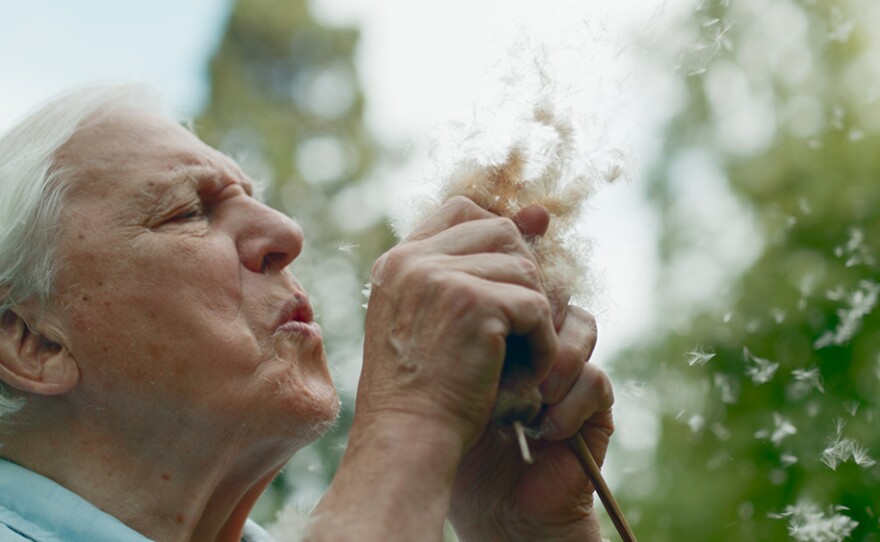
532	221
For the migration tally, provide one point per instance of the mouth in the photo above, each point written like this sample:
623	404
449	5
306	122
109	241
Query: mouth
296	316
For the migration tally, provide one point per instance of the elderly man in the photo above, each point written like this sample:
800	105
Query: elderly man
160	364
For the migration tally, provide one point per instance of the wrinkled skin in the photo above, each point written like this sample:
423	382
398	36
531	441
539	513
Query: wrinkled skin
443	301
551	498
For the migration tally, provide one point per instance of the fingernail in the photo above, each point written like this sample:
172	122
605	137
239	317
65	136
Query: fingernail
548	428
549	387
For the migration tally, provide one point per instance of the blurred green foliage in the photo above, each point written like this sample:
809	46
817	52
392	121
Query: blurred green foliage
780	99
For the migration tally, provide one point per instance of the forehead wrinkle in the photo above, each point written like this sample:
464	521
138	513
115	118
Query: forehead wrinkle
209	178
200	178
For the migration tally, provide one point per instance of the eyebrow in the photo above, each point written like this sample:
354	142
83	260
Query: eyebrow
202	178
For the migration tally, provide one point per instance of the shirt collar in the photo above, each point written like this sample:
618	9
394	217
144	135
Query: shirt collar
43	510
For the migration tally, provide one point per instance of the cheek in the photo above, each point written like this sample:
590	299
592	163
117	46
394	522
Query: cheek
158	324
158	283
204	274
114	352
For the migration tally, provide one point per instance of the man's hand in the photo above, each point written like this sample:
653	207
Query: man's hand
498	497
442	304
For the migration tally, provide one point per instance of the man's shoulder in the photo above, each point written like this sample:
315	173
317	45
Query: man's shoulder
8	534
37	509
16	528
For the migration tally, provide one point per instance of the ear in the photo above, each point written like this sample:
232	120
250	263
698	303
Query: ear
33	361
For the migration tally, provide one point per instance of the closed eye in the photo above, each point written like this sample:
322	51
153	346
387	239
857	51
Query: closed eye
189	214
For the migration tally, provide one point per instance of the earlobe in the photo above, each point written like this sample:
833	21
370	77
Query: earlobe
32	362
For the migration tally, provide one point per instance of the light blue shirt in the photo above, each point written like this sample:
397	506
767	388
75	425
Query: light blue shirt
36	509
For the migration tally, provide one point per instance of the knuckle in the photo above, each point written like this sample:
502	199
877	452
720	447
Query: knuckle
379	268
403	265
460	209
424	276
529	269
460	201
495	330
464	209
587	320
591	324
507	228
507	237
587	329
600	384
542	307
570	355
467	292
389	262
464	301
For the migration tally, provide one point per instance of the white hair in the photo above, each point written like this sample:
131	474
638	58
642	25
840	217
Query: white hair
32	188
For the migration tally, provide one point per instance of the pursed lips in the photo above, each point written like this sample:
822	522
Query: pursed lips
296	316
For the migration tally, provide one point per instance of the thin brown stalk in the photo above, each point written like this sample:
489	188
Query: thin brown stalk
595	475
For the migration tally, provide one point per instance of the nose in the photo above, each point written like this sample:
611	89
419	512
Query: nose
268	240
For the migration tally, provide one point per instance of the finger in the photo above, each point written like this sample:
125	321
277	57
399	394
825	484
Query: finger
525	313
559	302
455	210
504	268
590	394
493	234
576	339
597	433
532	221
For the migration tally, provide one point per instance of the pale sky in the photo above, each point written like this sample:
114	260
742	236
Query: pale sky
47	46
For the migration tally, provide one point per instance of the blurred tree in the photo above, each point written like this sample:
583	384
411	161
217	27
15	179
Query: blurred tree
286	103
767	381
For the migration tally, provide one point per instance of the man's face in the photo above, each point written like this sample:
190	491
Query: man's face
172	288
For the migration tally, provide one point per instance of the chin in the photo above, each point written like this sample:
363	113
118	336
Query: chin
300	395
317	410
326	424
324	400
328	416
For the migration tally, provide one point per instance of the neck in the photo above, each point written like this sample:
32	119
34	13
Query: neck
175	486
